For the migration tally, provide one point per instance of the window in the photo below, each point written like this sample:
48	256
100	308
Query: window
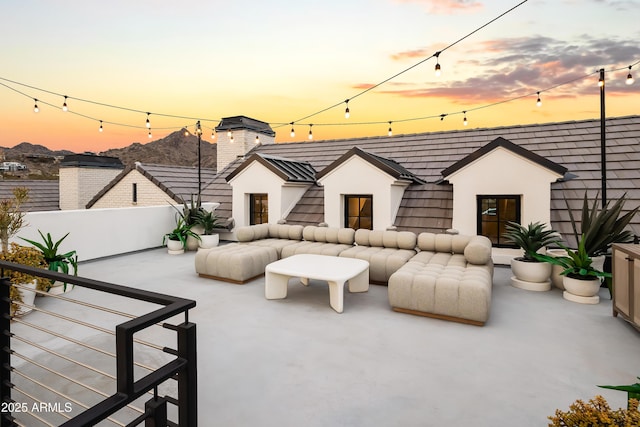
493	214
134	193
358	212
259	209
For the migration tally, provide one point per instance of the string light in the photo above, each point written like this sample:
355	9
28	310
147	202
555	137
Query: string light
257	140
442	116
293	132
229	134
230	137
35	106
100	128
186	132
629	77
438	70
390	132
601	82
64	105
464	121
198	128
346	112
148	122
150	136
213	134
539	101
310	133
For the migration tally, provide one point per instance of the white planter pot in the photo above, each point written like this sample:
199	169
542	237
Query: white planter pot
174	247
531	276
582	291
193	243
28	298
209	240
58	288
556	277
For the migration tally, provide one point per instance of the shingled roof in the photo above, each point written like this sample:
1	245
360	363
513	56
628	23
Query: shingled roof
428	207
287	169
44	195
179	182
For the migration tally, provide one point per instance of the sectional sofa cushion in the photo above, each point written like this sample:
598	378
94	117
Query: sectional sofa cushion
234	262
476	249
276	236
321	241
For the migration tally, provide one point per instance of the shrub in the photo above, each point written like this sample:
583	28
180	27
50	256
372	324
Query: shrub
596	413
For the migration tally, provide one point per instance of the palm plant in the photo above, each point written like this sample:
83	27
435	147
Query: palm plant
531	238
600	228
207	220
56	261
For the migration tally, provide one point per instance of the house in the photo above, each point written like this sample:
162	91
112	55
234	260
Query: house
473	181
43	194
151	185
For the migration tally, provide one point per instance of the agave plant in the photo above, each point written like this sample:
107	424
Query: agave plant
180	233
633	390
531	238
56	261
600	228
207	220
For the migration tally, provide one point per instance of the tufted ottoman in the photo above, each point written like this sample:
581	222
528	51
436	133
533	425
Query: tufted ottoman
235	262
450	278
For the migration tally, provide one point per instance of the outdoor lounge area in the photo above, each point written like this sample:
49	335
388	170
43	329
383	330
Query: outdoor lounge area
295	361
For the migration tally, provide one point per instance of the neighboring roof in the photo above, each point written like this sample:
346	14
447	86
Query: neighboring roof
91	160
386	165
243	122
287	169
179	182
428	207
501	142
44	195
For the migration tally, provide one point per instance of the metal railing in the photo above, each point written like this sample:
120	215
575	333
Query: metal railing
36	390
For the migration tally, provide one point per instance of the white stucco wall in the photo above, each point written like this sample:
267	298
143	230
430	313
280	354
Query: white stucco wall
121	194
357	176
501	172
257	179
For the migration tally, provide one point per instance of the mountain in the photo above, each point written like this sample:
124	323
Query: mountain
174	149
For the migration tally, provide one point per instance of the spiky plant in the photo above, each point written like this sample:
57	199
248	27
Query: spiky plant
531	238
601	228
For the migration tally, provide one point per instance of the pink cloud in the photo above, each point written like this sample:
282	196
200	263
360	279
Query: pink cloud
448	7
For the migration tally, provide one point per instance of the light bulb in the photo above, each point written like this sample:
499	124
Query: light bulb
35	106
310	133
150	136
229	134
464	121
186	132
100	128
198	128
293	132
148	122
539	102
64	105
390	132
231	138
346	111
600	82
438	70
213	134
257	139
629	77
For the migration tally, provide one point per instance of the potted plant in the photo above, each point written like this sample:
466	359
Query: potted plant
23	299
208	222
530	273
189	213
596	412
176	240
56	261
12	216
581	280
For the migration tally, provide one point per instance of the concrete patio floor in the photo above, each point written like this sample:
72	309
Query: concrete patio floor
296	362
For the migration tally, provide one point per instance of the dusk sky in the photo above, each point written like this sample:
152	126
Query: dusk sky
282	60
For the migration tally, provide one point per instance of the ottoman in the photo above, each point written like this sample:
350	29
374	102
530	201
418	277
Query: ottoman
235	262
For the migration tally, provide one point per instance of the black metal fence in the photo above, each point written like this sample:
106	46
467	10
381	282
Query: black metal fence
178	364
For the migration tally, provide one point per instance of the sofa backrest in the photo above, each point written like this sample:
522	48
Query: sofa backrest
476	249
386	239
313	233
249	233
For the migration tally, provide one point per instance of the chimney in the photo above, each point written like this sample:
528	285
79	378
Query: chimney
82	176
237	136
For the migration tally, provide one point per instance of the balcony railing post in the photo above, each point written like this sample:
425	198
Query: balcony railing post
188	378
5	347
156	408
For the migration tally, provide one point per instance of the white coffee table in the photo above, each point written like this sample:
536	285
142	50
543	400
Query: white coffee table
335	270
